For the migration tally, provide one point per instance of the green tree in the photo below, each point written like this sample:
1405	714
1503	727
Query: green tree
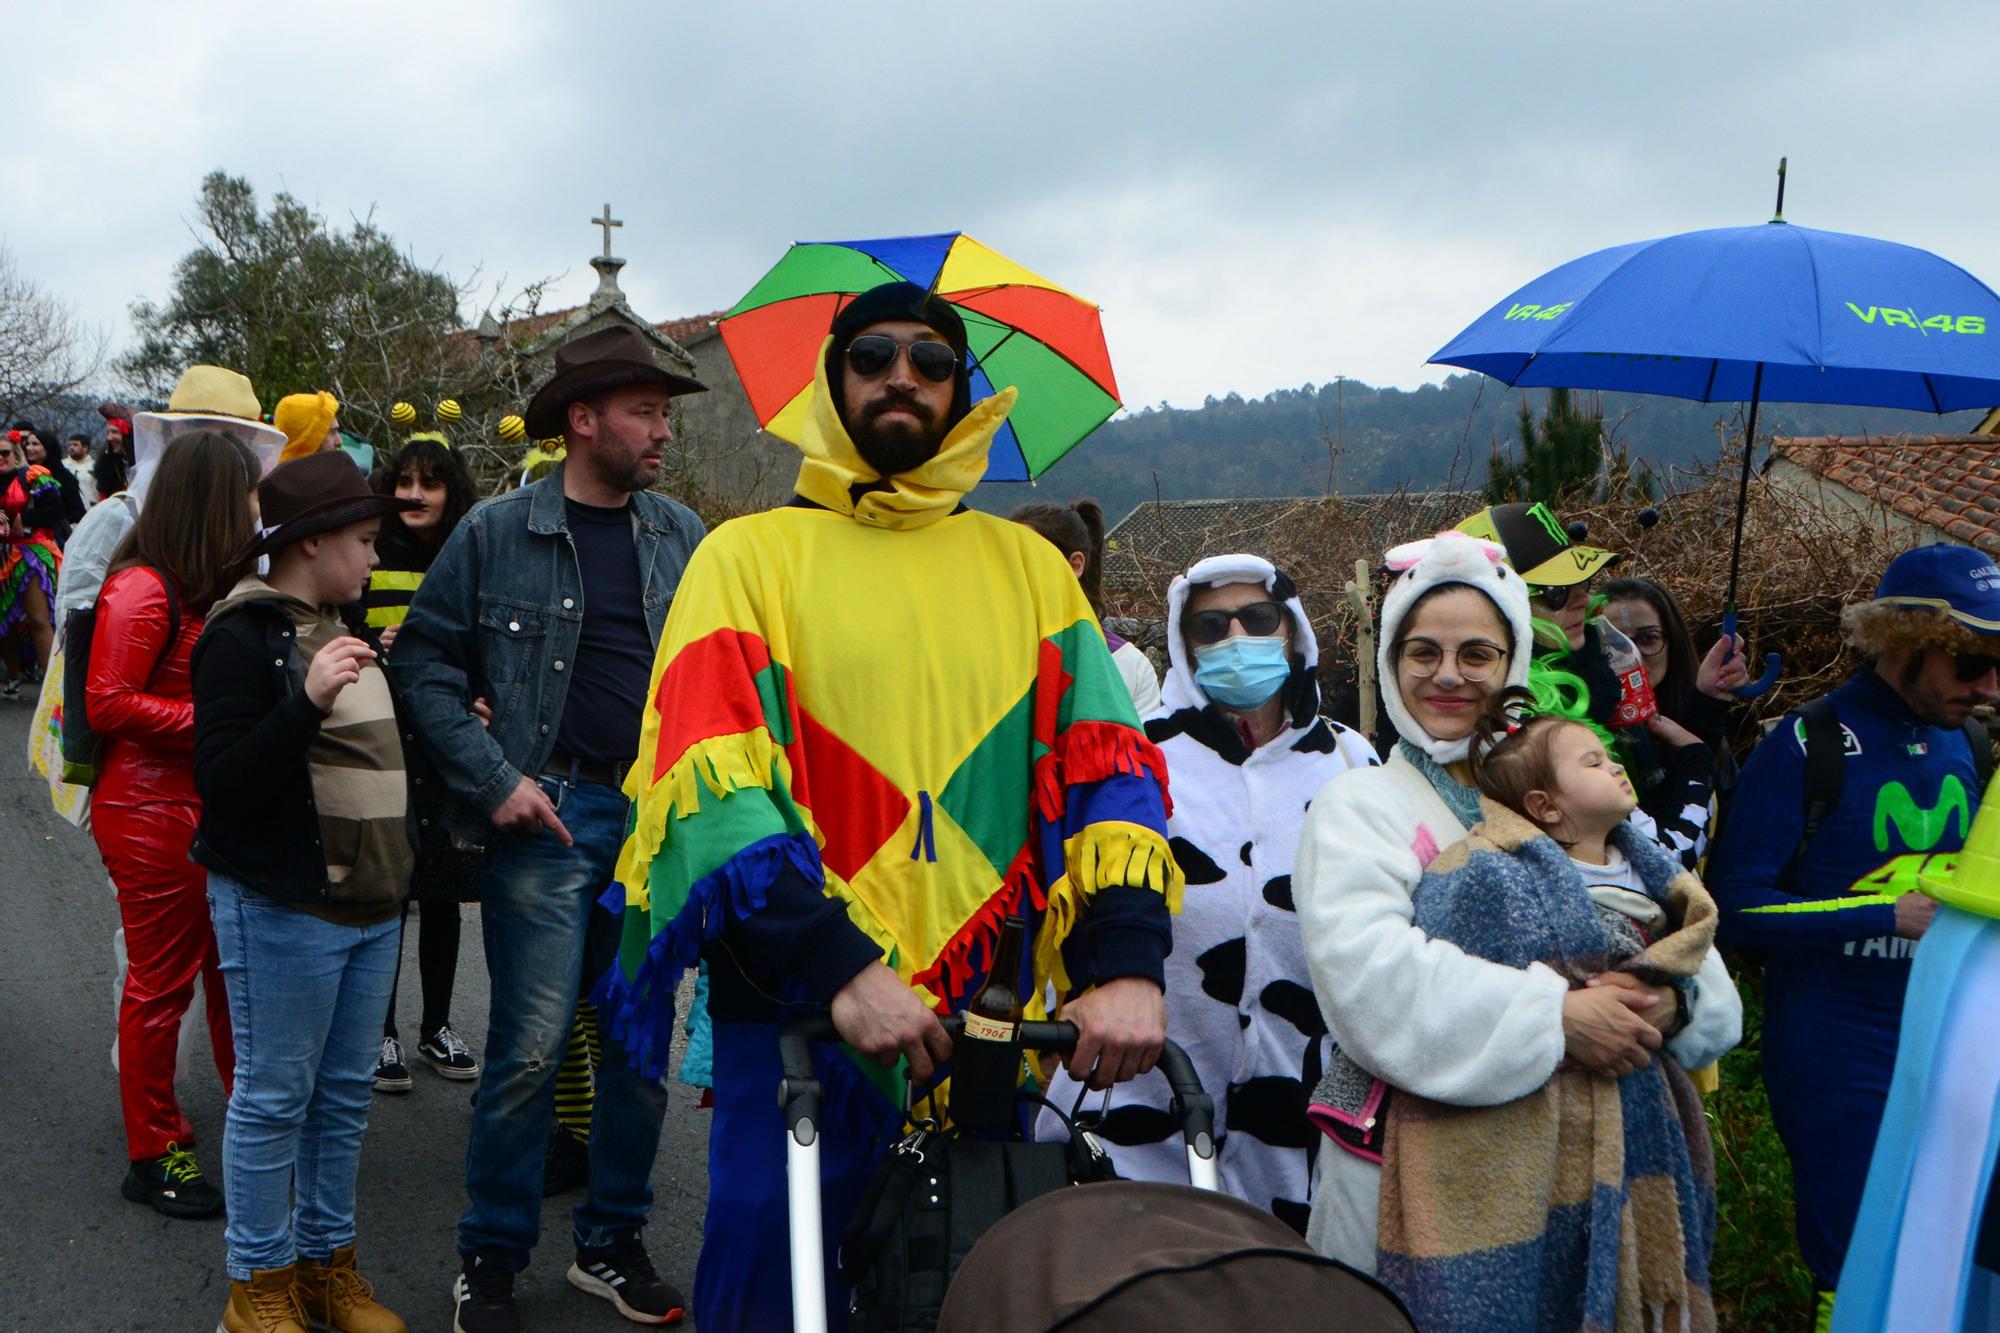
298	305
1561	454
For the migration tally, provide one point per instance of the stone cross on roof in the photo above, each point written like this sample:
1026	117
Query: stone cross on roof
607	222
606	264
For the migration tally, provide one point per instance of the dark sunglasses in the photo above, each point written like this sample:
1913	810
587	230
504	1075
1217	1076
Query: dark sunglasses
1969	667
1555	599
1260	619
872	354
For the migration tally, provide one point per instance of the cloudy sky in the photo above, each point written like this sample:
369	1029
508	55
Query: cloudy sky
1259	194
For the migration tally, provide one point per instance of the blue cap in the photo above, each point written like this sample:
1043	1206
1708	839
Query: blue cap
1957	580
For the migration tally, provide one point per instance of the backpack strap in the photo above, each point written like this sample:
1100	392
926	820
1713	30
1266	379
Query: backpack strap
1825	774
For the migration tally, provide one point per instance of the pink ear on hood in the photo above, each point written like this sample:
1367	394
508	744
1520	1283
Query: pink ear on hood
1406	556
1411	554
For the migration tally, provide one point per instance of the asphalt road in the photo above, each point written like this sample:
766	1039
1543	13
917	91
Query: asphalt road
74	1255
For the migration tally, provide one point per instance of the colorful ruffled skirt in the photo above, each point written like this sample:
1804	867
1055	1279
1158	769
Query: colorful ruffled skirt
26	562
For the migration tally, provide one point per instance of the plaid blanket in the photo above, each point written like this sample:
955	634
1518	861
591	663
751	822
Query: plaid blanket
1590	1203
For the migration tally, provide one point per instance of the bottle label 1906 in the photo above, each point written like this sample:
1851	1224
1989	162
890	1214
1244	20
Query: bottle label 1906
988	1029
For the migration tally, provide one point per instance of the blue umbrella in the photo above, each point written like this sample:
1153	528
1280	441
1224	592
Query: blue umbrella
1776	311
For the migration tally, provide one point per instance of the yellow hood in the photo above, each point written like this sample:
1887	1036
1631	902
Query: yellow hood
833	467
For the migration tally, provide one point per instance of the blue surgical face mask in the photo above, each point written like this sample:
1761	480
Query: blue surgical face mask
1243	671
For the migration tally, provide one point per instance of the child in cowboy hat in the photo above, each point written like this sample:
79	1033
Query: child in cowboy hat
305	833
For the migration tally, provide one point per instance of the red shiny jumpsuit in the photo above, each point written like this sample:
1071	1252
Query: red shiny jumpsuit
144	811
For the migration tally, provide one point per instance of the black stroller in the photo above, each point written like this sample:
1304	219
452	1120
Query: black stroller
1051	1257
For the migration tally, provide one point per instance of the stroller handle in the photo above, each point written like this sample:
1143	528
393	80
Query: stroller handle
799	1091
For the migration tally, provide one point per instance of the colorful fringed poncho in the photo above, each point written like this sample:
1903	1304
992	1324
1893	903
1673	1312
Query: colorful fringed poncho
906	704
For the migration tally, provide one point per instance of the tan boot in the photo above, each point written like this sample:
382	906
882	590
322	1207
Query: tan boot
267	1303
335	1294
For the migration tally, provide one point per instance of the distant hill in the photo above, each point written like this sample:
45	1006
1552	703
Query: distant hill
1422	438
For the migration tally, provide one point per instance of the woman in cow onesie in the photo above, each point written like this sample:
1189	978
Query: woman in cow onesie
1239	725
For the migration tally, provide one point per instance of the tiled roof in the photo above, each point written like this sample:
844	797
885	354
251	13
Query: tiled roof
691	330
1949	482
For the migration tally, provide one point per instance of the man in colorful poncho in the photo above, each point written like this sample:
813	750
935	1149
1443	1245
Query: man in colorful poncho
879	723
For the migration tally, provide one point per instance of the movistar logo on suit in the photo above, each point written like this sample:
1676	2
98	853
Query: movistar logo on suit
1921	828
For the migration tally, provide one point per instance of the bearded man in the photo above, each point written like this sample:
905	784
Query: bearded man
880	723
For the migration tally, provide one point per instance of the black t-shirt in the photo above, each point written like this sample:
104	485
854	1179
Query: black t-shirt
614	653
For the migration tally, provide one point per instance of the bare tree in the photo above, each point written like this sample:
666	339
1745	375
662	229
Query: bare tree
45	350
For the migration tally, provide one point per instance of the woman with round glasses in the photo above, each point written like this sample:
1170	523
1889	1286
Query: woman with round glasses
1420	1015
1240	728
1694	692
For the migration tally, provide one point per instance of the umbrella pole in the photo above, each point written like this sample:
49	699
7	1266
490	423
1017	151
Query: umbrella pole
1771	660
1743	491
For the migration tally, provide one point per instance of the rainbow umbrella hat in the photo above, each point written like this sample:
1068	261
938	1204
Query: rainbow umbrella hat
1022	330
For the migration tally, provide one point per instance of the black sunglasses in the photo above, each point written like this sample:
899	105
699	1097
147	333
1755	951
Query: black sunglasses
1555	599
872	354
1260	619
1969	667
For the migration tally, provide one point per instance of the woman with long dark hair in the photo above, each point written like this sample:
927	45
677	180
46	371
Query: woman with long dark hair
1077	530
170	569
1692	691
429	474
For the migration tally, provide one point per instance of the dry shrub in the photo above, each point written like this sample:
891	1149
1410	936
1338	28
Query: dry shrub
1804	558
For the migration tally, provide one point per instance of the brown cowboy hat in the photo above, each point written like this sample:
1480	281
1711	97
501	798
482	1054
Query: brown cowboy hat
607	359
311	495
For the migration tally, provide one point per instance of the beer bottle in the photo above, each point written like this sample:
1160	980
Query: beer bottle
986	1064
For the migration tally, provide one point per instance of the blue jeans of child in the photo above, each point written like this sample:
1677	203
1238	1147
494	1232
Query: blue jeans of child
306	1000
544	932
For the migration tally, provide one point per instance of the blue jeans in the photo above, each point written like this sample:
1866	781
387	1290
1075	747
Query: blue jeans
544	932
306	1000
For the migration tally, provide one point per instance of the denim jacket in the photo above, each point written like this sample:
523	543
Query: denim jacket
498	616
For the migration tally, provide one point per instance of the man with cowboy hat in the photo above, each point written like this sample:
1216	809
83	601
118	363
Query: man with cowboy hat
549	601
879	725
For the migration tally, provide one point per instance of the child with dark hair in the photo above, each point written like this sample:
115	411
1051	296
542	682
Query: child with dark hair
1077	530
426	473
1619	1170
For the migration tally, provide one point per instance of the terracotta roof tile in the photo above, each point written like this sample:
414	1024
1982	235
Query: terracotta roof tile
1950	482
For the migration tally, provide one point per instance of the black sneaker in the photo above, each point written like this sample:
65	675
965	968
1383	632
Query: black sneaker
10	688
484	1296
568	1164
445	1052
172	1184
391	1074
622	1273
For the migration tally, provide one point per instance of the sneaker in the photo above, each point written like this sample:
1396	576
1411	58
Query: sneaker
391	1074
484	1297
567	1166
11	689
622	1273
267	1303
451	1057
172	1184
336	1296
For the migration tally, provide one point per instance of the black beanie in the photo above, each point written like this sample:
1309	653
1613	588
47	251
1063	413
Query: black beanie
899	300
